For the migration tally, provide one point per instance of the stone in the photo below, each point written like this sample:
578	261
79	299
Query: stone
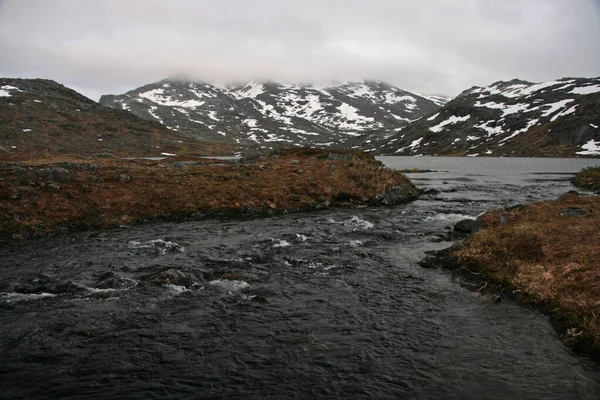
55	174
124	178
52	187
467	226
397	194
574	212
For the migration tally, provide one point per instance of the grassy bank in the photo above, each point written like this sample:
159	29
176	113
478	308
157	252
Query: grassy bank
588	178
42	194
549	252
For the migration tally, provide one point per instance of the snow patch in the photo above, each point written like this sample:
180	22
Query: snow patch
452	120
4	90
157	96
586	89
554	107
591	148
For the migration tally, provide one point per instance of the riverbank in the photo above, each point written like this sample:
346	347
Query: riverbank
44	194
547	253
588	178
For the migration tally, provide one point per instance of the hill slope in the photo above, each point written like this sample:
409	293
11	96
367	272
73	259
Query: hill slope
38	115
269	113
515	118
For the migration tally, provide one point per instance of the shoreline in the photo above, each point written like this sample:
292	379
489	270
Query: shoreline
509	254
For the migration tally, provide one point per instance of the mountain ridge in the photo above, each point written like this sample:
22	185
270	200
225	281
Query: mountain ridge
266	113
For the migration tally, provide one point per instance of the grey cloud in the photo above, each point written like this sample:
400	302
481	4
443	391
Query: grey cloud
432	46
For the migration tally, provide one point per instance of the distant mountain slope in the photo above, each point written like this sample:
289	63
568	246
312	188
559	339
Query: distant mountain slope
269	113
515	118
42	115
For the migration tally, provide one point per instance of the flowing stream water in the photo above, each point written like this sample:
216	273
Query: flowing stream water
330	304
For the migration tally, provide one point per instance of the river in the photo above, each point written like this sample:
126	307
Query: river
329	304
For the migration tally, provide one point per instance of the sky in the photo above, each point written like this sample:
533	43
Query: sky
424	46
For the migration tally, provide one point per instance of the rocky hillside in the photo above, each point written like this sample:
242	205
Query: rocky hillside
515	118
272	113
38	115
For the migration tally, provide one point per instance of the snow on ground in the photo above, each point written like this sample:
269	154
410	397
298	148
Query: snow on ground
539	86
208	92
591	148
594	126
586	89
496	130
151	112
252	90
515	133
4	90
452	120
415	143
353	119
250	122
438	100
393	98
506	109
518	89
563	113
434	117
157	96
213	115
360	90
124	106
554	107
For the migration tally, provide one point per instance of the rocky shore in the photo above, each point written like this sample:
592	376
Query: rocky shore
44	194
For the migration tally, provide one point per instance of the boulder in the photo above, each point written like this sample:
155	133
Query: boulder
574	212
398	194
467	226
54	174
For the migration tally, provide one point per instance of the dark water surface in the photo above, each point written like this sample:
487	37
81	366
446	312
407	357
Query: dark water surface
329	304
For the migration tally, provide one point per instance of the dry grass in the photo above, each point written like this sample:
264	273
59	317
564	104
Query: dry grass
553	258
588	178
291	180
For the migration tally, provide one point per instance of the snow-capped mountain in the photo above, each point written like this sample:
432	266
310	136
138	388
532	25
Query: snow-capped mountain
272	113
558	118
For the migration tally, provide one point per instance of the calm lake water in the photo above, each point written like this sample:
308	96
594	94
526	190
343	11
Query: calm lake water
329	304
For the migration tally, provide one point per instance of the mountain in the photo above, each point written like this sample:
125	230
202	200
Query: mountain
270	113
515	118
42	115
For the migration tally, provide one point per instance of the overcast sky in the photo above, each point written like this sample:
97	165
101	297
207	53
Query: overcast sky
425	46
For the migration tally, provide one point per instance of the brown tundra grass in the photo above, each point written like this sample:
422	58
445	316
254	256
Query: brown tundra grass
588	178
553	257
291	180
